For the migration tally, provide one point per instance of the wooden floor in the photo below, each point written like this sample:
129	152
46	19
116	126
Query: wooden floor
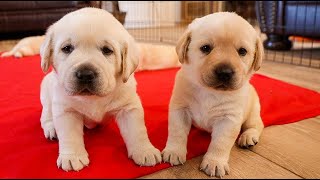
285	151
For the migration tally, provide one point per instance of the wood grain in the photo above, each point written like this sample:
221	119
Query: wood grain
298	75
295	147
243	164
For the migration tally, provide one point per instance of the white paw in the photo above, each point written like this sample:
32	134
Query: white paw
6	54
18	55
248	138
174	156
49	131
69	162
149	156
215	166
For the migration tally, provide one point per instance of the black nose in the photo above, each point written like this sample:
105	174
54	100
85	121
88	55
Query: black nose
85	75
224	73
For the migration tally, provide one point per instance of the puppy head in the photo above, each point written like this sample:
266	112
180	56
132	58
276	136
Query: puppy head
220	51
90	51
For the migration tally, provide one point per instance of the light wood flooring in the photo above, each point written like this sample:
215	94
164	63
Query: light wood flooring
284	151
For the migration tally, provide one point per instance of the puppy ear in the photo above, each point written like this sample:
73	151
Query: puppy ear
182	46
259	53
129	59
46	50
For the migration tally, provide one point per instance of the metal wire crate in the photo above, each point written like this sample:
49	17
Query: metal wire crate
165	21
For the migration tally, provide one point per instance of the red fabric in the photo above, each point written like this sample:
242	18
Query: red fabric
25	153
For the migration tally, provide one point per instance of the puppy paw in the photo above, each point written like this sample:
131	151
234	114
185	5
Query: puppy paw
248	138
18	54
49	131
215	166
69	162
149	156
6	54
174	156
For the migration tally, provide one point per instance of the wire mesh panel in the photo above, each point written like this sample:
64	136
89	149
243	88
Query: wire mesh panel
163	21
290	30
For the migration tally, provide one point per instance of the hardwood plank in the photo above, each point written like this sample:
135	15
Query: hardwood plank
295	147
298	75
243	164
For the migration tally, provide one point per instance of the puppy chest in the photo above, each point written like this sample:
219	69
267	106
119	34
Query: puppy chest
204	113
95	114
94	111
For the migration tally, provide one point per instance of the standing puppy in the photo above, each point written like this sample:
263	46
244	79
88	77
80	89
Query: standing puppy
219	53
93	59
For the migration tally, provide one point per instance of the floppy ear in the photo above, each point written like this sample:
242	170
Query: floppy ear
182	46
258	55
129	59
46	50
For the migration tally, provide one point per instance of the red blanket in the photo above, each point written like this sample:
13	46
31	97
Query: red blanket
25	153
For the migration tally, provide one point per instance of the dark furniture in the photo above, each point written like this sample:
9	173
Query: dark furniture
245	9
25	18
281	19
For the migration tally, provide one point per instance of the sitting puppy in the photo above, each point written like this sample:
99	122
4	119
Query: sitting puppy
219	53
93	58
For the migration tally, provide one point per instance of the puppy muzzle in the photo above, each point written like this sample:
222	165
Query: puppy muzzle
224	73
221	77
86	80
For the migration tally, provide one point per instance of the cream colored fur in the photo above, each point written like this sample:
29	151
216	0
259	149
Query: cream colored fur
28	46
66	112
154	56
223	113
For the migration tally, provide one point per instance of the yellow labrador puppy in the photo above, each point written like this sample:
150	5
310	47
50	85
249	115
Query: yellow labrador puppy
219	53
93	59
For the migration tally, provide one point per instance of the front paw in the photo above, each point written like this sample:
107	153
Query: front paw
213	166
174	156
248	138
49	131
148	156
69	162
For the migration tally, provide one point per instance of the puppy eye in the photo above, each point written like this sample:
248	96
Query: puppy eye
106	51
242	51
67	49
206	49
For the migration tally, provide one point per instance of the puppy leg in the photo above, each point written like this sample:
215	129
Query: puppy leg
176	148
46	114
72	152
251	128
47	122
24	51
134	132
11	52
15	50
6	54
224	134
